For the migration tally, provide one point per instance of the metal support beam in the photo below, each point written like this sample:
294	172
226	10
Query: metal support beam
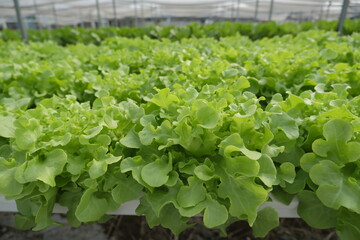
142	13
238	11
343	16
136	15
21	25
55	14
271	9
115	13
37	15
98	13
232	10
328	10
256	9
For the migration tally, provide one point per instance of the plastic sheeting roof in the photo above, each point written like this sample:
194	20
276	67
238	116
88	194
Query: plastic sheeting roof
65	12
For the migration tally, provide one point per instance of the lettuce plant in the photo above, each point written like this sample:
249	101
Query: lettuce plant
193	128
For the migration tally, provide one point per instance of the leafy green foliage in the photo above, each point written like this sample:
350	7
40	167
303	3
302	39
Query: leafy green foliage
255	31
266	220
313	211
199	127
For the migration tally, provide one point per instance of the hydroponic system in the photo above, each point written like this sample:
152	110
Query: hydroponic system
229	121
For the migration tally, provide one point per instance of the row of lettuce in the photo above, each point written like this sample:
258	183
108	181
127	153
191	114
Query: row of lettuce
254	31
201	126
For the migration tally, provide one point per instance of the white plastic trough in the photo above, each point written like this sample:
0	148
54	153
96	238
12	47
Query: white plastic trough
128	208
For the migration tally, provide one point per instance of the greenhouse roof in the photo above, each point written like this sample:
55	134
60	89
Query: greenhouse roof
64	12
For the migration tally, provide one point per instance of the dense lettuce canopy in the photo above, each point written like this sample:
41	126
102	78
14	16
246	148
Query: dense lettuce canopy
191	127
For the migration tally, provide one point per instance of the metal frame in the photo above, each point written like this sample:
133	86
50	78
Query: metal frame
61	11
343	16
256	10
136	14
98	14
271	9
55	15
20	21
115	12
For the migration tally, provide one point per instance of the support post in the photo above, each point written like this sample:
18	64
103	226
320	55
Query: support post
136	16
37	15
55	14
98	14
256	10
115	13
142	13
342	16
238	11
21	25
271	9
328	10
232	10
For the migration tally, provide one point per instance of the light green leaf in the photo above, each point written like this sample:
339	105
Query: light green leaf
45	169
267	171
241	83
215	214
308	160
335	189
192	211
173	179
132	111
168	216
27	132
229	73
92	132
204	173
93	205
298	184
337	147
205	115
266	220
159	198
314	212
234	144
156	173
134	165
7	128
131	140
9	186
273	150
285	123
242	165
287	172
191	195
244	194
164	98
126	190
293	156
148	134
97	168
171	219
24	222
348	227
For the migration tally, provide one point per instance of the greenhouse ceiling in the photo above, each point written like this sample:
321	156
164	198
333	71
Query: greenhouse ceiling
67	12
